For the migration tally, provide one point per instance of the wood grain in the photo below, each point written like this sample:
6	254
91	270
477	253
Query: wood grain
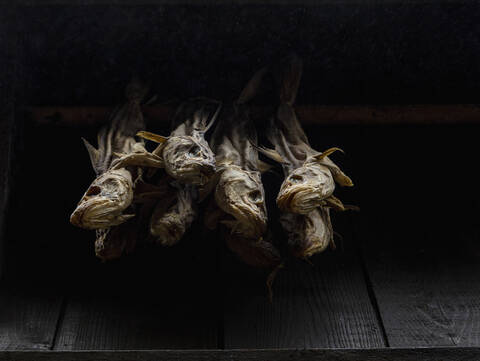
159	299
422	251
28	317
323	305
425	298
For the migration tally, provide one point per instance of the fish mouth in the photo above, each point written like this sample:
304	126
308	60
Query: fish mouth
252	222
301	198
298	199
194	172
308	234
99	212
104	201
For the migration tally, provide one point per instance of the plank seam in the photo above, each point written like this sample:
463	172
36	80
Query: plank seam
58	325
373	298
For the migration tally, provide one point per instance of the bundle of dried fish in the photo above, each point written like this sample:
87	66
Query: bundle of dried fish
190	161
108	201
239	192
306	194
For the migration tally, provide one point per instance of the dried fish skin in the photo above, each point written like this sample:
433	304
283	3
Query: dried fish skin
308	234
305	188
106	199
171	218
189	159
138	157
240	193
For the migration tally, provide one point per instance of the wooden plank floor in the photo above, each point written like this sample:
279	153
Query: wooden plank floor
405	275
320	305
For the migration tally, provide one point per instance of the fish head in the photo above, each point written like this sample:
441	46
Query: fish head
189	159
240	194
104	202
305	188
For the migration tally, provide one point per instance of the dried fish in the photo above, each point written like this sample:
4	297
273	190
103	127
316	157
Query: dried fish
306	194
239	192
111	193
189	161
107	204
309	175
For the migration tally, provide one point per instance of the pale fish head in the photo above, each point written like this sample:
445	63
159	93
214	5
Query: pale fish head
240	193
305	188
105	200
189	159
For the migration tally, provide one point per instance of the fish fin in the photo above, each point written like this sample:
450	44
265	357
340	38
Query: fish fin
152	136
327	153
288	74
263	166
270	153
334	203
251	89
350	207
214	118
93	153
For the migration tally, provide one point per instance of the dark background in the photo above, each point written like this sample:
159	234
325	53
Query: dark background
354	53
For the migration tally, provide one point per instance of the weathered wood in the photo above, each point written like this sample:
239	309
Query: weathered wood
427	298
421	251
28	317
424	354
157	299
425	114
325	304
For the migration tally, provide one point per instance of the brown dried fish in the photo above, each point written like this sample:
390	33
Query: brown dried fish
111	193
309	175
190	161
239	192
116	164
306	194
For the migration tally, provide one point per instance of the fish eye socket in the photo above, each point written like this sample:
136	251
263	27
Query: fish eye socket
194	150
93	191
255	196
295	178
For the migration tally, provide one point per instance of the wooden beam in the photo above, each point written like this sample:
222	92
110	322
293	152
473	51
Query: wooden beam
426	114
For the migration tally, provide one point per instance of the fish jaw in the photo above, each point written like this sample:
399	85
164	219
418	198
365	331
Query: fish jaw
308	234
240	194
305	189
189	160
105	200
